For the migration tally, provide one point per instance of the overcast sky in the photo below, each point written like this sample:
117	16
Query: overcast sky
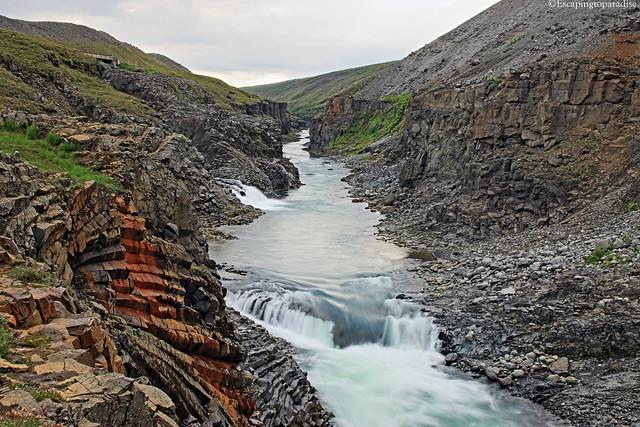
248	42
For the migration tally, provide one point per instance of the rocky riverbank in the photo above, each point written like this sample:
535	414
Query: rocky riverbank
514	182
111	311
550	314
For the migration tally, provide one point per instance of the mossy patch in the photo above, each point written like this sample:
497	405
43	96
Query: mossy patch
367	128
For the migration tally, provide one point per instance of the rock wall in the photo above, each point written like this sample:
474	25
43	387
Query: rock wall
521	147
239	146
138	263
275	110
335	119
149	283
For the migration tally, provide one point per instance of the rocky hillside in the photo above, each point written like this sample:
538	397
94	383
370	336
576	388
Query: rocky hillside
307	96
512	170
38	75
516	120
111	312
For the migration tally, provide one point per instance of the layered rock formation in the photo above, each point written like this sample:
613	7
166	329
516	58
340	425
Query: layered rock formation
245	147
143	285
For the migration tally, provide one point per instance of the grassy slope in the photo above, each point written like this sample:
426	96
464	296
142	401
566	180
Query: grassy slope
50	158
369	128
307	96
33	56
78	39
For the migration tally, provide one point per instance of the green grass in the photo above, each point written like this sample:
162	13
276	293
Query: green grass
307	96
369	128
102	93
32	132
632	206
7	340
48	158
31	275
11	126
129	67
38	56
20	422
54	62
53	139
37	340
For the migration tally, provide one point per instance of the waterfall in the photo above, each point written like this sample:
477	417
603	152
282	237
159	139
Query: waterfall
284	312
407	328
252	196
404	326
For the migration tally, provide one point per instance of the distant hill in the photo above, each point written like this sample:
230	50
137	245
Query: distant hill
36	39
306	96
89	40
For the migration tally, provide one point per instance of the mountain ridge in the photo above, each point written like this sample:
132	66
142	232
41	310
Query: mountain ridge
306	95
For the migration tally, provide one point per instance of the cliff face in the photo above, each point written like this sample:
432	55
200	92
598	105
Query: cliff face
512	116
520	150
241	146
337	116
147	309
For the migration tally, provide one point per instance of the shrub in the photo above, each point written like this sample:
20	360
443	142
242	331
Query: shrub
37	340
597	255
53	138
632	206
20	421
32	132
70	147
492	81
7	340
11	125
31	275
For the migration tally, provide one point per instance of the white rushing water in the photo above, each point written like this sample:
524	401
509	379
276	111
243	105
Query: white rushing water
252	196
319	278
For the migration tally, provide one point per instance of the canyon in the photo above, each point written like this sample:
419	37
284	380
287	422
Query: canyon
454	241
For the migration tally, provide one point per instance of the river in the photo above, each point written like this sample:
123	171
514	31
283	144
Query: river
318	277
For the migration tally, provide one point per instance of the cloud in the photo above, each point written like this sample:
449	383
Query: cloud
251	41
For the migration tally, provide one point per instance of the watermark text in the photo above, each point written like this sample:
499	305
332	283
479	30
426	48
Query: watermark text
619	4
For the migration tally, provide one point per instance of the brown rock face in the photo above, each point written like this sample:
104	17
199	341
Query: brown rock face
150	283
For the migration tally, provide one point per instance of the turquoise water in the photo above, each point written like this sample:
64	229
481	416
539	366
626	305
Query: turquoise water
318	277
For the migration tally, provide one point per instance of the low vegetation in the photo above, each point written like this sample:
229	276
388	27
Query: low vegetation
19	421
40	393
604	256
52	61
492	82
369	128
513	40
31	275
48	62
7	340
50	158
37	340
632	206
